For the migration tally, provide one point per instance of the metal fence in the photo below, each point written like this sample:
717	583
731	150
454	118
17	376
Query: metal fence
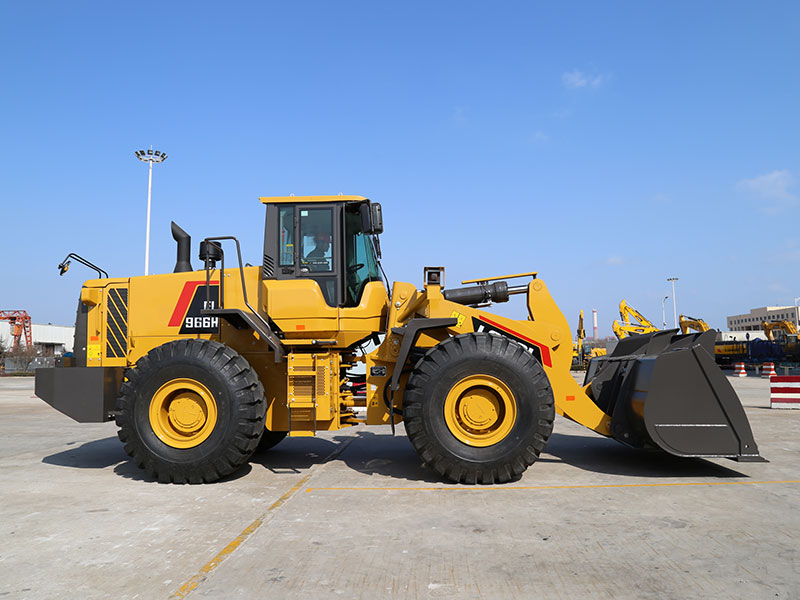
16	366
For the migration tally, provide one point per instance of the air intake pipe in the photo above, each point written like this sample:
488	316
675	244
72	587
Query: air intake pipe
479	294
183	264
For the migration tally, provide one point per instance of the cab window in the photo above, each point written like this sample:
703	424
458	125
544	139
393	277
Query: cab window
286	235
361	266
316	233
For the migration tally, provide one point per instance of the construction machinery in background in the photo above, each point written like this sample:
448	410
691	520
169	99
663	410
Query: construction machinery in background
20	323
583	353
624	327
577	346
786	340
779	345
688	324
200	367
786	327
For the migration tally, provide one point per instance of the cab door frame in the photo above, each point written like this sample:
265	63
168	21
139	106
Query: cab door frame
276	268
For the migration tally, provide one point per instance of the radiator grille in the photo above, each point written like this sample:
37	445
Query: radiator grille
117	323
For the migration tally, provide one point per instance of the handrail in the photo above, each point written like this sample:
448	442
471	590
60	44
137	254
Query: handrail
212	241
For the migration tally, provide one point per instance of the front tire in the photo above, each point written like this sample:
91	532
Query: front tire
191	411
478	408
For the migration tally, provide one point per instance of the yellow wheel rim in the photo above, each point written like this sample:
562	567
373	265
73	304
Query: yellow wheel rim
480	410
183	413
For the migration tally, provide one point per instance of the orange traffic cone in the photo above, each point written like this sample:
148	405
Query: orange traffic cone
739	370
769	370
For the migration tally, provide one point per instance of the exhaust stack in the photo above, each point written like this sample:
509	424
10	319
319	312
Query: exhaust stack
183	263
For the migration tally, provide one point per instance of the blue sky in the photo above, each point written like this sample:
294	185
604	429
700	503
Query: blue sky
607	146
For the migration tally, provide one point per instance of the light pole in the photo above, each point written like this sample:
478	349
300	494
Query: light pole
149	157
674	300
663	313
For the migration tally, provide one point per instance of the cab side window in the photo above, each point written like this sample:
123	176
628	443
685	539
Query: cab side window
286	235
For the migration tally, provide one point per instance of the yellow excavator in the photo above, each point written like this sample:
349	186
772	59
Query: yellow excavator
787	327
688	324
624	327
200	367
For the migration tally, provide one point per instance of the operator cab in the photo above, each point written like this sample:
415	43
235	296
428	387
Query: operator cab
330	239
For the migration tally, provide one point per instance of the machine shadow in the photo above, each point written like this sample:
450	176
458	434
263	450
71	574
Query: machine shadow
386	456
603	455
129	470
97	454
108	452
294	455
367	452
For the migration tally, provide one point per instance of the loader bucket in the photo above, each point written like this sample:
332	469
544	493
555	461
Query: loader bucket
664	390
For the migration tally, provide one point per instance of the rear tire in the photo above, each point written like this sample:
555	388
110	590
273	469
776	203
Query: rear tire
478	408
191	411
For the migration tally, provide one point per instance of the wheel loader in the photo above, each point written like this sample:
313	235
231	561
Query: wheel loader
200	367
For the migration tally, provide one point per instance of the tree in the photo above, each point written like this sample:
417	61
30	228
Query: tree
22	356
3	350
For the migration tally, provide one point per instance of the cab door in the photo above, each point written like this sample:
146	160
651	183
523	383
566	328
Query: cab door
309	246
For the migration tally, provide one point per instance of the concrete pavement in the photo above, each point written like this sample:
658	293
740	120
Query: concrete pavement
354	515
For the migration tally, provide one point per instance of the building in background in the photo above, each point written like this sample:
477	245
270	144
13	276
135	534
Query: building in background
752	320
49	340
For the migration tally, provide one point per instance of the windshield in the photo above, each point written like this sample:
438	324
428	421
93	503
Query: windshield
361	266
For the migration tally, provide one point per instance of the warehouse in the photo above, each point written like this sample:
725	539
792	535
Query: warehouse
50	340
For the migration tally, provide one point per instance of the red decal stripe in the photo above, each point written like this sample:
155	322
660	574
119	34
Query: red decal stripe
785	379
544	349
786	400
185	300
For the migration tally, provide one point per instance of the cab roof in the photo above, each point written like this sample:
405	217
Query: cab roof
309	199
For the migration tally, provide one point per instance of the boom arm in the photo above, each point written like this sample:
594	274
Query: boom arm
624	328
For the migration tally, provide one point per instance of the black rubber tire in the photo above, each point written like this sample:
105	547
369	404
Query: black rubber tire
241	411
424	408
270	439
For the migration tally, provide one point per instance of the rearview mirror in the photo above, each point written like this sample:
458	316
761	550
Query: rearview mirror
371	218
377	218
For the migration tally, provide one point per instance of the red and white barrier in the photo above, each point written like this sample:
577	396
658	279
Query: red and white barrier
739	370
769	370
784	391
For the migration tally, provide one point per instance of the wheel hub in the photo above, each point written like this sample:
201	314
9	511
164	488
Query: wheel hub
183	413
186	413
480	410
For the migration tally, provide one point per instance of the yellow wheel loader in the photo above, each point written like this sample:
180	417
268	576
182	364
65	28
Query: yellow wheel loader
200	367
